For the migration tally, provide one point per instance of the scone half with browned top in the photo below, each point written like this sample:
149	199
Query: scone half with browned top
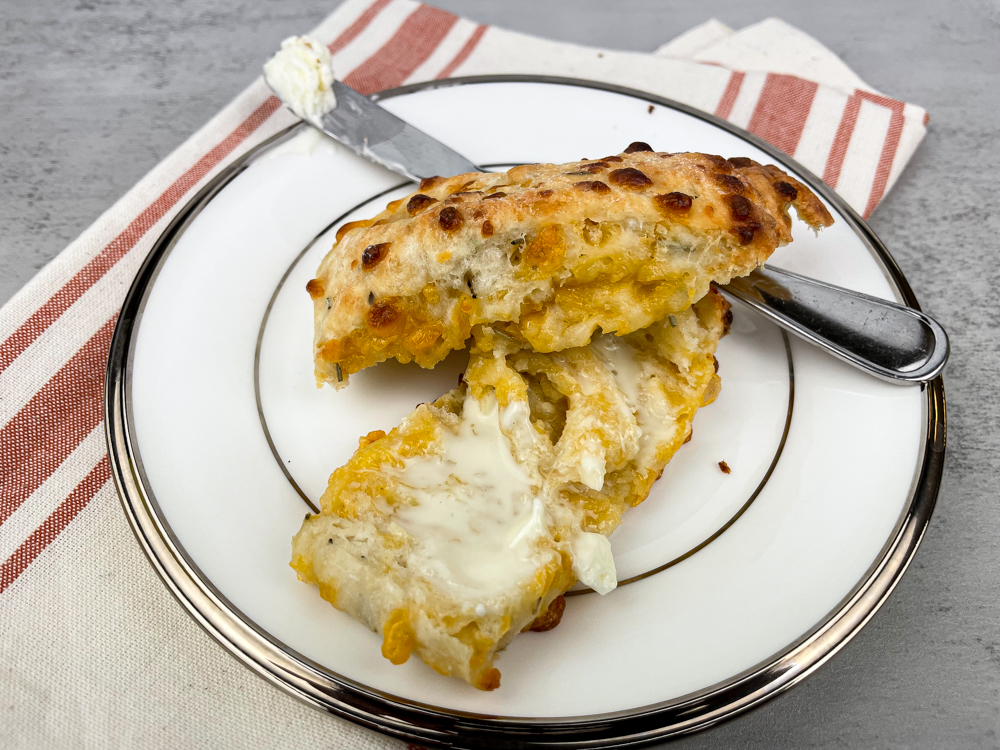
548	253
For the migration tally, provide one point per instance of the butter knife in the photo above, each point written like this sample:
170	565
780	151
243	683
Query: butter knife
888	340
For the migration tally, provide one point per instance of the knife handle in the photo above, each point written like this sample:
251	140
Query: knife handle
888	340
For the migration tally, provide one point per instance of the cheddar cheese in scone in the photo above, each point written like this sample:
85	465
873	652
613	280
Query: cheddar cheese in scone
466	523
547	253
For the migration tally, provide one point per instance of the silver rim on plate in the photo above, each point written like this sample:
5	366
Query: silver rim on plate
324	689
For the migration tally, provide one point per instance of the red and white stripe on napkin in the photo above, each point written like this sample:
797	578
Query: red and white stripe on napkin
769	78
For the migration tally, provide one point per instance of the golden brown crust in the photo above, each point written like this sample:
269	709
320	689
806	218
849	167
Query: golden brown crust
555	252
781	190
549	618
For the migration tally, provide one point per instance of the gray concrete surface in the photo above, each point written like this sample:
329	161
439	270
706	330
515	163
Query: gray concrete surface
95	92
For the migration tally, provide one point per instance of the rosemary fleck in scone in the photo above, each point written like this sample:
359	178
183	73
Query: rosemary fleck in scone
546	253
466	523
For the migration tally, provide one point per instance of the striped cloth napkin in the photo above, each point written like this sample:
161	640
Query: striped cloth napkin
92	650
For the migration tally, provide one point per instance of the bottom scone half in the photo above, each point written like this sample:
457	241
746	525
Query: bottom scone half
466	523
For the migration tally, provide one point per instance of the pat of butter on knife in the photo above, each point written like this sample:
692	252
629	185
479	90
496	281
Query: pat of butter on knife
301	74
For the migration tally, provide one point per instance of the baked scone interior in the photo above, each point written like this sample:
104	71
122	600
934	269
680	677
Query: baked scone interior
466	523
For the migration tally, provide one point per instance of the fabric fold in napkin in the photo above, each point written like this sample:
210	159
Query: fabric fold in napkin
93	651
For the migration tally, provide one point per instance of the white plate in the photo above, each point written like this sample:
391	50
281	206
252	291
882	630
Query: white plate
741	584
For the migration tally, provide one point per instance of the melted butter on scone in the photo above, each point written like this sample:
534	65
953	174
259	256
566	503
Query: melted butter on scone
471	506
593	563
621	359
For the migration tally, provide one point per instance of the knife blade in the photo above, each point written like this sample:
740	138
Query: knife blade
375	133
